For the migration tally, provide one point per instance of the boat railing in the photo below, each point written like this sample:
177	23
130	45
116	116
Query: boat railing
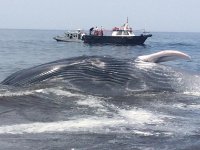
135	32
108	32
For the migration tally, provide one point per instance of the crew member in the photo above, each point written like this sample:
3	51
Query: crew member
101	31
96	31
91	29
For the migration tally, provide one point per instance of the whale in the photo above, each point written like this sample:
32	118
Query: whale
87	97
104	74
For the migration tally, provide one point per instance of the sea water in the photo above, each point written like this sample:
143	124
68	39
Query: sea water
59	118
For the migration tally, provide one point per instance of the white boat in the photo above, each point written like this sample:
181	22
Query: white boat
70	36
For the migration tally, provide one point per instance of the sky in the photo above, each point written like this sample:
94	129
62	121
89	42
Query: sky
151	15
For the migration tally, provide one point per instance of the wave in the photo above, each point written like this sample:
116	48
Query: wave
178	44
127	121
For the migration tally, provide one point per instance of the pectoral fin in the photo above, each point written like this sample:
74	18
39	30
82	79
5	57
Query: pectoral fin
163	56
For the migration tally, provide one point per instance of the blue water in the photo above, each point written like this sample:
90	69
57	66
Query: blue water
25	48
56	118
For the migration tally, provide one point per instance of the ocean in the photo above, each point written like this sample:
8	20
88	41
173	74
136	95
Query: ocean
97	96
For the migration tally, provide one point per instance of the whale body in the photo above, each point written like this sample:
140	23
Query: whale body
104	74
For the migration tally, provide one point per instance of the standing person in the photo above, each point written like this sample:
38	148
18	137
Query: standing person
91	29
96	31
79	33
101	31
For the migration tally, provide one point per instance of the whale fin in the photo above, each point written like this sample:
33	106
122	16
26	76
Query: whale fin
163	56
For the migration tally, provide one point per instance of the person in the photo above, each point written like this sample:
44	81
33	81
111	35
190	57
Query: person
79	33
96	31
101	31
91	29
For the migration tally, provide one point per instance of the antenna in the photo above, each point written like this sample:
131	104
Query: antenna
127	20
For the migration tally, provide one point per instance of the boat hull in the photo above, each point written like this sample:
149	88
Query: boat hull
64	39
133	40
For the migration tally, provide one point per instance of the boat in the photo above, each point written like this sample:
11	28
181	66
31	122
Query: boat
120	35
70	36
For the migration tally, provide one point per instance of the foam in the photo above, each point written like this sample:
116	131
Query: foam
45	91
99	64
85	124
58	92
94	125
139	116
193	93
186	106
136	120
91	101
18	93
85	100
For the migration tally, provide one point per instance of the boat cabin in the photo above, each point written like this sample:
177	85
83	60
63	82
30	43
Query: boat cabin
125	30
73	35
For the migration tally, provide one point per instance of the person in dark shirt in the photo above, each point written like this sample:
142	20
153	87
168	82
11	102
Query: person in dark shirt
91	29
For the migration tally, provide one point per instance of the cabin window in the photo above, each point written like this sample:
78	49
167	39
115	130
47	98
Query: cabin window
119	33
125	33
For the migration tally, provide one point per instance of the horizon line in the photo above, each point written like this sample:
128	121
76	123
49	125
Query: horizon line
88	29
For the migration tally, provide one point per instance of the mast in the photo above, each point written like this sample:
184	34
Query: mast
126	25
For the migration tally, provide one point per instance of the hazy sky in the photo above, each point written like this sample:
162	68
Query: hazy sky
153	15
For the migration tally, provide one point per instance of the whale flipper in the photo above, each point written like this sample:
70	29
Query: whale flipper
163	56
